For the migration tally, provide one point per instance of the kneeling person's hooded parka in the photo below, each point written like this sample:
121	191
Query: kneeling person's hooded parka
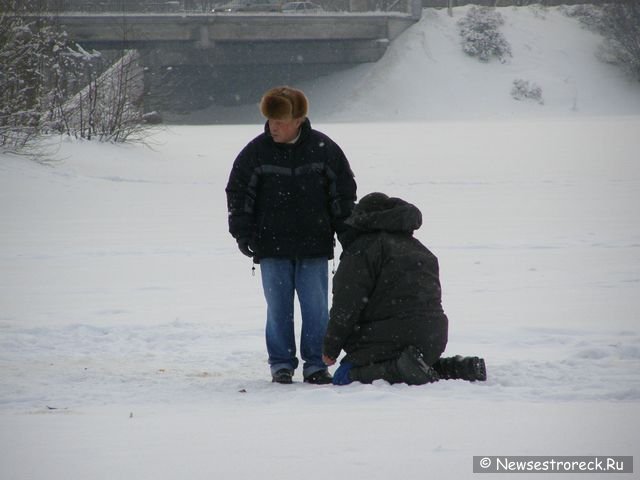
386	291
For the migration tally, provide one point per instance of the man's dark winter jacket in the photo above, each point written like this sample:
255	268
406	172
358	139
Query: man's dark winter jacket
288	200
386	292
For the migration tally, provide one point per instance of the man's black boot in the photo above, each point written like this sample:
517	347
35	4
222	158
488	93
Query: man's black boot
284	375
321	377
464	368
409	368
413	369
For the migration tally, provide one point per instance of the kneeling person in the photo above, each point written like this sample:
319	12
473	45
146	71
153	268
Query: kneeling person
387	303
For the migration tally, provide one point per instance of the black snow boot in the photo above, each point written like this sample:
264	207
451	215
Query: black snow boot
409	368
413	369
464	368
284	375
321	377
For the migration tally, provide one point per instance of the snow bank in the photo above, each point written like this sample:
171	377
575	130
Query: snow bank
131	329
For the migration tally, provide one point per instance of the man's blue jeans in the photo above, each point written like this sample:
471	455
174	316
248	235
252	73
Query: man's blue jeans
281	279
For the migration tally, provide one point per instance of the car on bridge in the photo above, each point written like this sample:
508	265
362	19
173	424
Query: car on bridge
301	7
236	6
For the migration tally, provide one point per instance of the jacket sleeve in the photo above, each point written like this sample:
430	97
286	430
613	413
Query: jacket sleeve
353	284
342	188
241	194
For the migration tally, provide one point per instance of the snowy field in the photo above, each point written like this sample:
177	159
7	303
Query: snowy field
131	328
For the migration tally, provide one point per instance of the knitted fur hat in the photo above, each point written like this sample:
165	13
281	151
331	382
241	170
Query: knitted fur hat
282	103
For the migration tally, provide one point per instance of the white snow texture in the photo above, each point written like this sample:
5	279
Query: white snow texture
132	330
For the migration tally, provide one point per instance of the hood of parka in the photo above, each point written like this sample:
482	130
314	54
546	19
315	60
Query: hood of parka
378	212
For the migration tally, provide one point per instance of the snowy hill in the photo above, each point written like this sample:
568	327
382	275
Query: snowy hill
132	330
425	75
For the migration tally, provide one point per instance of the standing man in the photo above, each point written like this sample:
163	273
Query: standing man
289	192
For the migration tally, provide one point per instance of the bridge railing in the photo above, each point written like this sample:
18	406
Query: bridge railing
195	6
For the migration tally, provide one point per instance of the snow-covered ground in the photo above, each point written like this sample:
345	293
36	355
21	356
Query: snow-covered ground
131	329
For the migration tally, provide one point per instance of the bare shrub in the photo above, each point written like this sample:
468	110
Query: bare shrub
109	107
49	84
525	90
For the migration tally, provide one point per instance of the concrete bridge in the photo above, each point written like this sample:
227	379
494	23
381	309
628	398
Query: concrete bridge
193	60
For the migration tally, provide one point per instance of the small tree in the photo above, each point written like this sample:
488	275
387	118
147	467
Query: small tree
49	84
480	35
30	55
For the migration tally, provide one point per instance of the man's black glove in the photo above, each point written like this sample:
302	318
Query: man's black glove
245	247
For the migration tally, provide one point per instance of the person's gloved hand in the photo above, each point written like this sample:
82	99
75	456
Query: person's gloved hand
328	360
342	375
244	245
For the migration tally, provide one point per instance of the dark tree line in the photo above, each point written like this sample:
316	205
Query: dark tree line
621	26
